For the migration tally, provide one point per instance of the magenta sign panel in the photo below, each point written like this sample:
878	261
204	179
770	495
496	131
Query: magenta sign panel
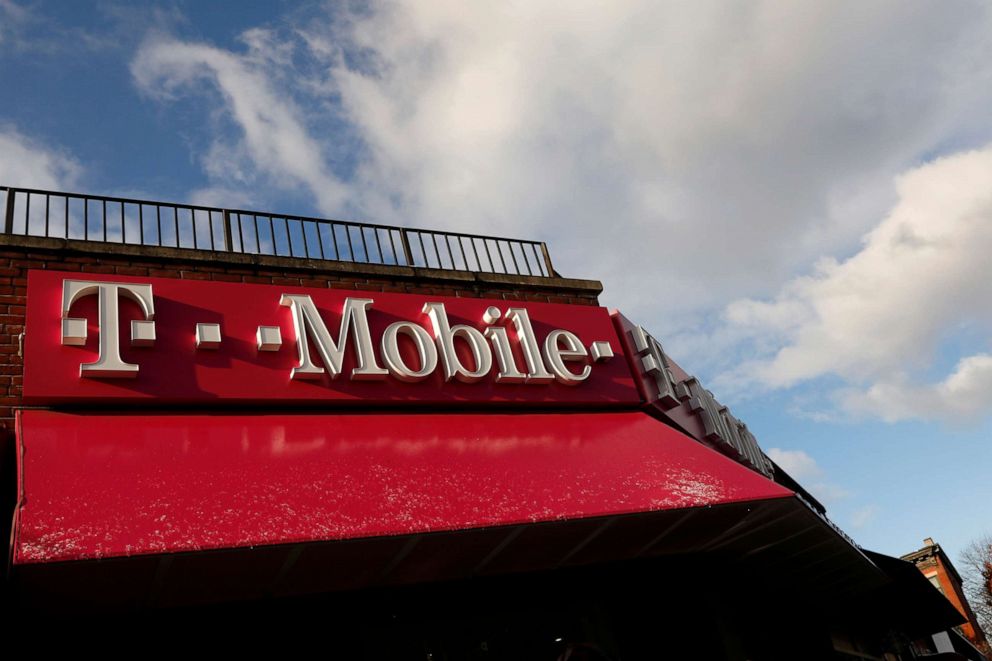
165	341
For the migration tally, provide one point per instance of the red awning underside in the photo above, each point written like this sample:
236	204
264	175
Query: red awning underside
102	486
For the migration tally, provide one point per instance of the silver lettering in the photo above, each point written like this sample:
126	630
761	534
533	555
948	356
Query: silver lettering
556	355
109	364
702	403
508	371
536	370
655	363
308	325
425	350
445	335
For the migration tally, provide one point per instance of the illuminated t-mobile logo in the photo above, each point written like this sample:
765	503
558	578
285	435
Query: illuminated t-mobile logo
562	357
74	329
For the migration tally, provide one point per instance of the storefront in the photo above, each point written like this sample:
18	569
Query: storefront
441	462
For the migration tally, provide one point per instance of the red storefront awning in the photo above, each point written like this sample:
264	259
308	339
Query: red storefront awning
103	486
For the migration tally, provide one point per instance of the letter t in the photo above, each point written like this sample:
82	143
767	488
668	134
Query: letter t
109	364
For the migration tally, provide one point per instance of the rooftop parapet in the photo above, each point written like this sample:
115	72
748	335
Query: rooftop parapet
115	220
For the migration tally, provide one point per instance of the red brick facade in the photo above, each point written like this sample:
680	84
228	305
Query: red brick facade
937	567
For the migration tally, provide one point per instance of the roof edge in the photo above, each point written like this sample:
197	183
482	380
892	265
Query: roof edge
99	249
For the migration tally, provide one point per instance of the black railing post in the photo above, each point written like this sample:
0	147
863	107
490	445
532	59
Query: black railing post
228	233
547	259
8	216
407	253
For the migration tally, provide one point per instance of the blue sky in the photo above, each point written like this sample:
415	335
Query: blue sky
795	198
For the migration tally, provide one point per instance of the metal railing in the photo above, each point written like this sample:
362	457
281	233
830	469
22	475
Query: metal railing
31	212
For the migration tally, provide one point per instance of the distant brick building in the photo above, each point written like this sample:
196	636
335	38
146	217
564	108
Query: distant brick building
939	570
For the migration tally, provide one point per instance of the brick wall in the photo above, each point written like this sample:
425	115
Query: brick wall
955	594
19	254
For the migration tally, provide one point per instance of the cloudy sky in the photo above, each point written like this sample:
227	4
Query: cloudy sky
795	197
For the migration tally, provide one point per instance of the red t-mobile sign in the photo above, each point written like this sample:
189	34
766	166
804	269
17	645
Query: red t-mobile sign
102	338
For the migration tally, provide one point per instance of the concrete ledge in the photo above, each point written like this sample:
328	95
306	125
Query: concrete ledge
100	249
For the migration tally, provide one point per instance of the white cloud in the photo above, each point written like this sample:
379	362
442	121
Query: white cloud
27	162
705	150
796	463
878	317
274	138
12	17
861	517
693	157
804	469
686	155
963	395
